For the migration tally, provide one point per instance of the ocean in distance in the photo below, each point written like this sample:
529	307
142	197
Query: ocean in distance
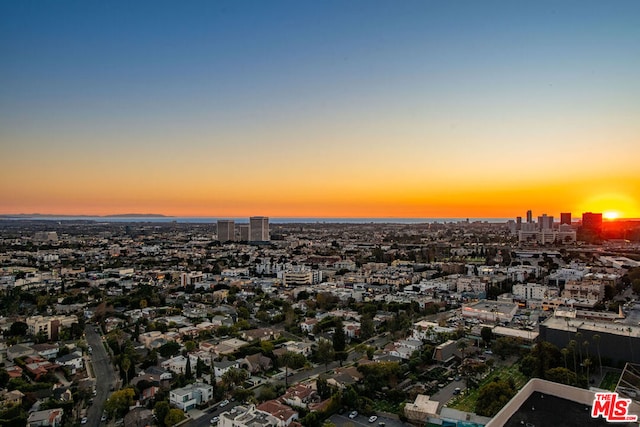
245	220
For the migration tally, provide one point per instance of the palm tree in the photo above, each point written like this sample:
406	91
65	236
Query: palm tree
572	347
596	338
565	352
126	364
462	346
578	336
587	364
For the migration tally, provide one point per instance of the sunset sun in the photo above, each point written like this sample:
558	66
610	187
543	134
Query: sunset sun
611	215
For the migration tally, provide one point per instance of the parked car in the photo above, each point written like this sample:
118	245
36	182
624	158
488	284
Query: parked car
353	414
215	420
373	418
224	403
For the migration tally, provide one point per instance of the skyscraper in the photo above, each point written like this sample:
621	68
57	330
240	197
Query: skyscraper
259	229
529	216
545	222
592	221
226	231
565	218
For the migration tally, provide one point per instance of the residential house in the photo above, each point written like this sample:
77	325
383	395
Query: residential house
190	396
247	416
73	361
282	412
46	418
300	395
222	367
257	363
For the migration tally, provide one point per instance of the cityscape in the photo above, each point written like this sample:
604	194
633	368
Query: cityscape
319	214
323	323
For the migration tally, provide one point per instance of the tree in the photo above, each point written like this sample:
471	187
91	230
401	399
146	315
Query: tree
596	338
367	328
161	410
462	346
169	349
324	353
118	404
234	377
173	417
486	335
18	329
562	376
493	396
125	365
339	339
187	370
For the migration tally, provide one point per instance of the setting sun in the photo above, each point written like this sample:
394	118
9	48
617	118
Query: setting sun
611	215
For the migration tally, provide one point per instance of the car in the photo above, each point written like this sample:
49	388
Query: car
215	420
224	403
456	391
353	414
373	418
103	418
83	420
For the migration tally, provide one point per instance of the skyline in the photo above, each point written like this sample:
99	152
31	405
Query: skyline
331	109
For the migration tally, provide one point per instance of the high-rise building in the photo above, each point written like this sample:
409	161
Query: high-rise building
226	231
565	218
529	216
545	222
244	232
518	223
259	229
592	221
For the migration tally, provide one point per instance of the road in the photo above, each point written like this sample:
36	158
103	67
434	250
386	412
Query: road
102	371
363	421
205	420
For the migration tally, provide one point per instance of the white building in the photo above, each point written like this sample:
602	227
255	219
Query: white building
49	325
190	396
247	416
530	291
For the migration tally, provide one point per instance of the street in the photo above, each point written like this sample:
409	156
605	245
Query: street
103	373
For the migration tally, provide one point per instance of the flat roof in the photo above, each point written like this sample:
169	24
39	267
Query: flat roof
542	409
572	325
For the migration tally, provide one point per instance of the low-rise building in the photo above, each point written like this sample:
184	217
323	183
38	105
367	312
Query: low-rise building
190	396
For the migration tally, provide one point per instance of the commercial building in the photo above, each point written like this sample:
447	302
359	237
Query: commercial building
490	311
618	342
226	230
259	229
542	403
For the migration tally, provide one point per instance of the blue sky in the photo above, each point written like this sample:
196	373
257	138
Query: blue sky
358	81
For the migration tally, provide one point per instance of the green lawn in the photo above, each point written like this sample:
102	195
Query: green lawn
468	401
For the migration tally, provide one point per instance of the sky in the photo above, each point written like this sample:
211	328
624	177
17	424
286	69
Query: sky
320	108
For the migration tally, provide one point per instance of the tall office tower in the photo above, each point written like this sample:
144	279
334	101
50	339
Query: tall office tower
545	222
244	232
529	217
259	229
565	218
226	230
518	223
592	221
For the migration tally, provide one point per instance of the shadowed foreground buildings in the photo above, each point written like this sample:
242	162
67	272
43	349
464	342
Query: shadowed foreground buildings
545	403
618	342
